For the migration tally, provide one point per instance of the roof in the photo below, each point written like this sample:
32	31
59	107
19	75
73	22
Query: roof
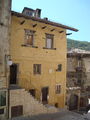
78	55
44	21
27	9
78	52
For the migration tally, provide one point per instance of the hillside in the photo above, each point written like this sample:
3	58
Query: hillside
84	45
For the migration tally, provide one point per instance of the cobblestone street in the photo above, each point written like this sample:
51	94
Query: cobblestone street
63	115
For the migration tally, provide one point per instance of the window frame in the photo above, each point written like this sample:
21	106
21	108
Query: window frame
59	69
36	69
58	89
49	36
28	33
3	97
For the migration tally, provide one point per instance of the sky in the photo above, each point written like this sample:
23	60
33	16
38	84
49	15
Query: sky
74	13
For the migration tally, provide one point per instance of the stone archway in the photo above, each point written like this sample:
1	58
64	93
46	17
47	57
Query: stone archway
73	102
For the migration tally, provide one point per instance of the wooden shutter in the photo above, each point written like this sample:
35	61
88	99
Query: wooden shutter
34	68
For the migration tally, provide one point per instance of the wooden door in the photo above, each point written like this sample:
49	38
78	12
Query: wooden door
16	111
45	95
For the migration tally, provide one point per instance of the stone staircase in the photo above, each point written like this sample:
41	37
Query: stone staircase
31	106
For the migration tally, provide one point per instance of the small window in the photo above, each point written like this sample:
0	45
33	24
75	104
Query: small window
2	111
2	98
58	89
56	105
49	41
29	37
37	68
32	92
59	67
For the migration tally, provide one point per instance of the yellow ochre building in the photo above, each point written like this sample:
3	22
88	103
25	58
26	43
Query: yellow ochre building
38	52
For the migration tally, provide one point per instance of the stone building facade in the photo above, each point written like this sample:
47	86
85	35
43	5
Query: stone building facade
38	52
5	6
78	79
36	61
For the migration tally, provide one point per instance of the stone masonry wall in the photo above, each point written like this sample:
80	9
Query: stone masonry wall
30	105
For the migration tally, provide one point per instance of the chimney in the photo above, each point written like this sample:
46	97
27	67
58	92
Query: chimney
38	13
45	18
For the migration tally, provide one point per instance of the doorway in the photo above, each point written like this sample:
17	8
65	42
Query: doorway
45	95
16	111
73	102
13	74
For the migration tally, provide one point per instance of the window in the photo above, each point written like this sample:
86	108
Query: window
49	41
58	89
32	92
59	67
2	98
29	37
37	68
2	111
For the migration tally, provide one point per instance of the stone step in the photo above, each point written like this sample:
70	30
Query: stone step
31	106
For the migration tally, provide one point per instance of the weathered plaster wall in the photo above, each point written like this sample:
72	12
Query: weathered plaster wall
87	67
5	6
49	59
30	105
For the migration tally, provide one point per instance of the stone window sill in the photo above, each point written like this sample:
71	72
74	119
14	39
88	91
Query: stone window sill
49	48
26	45
58	70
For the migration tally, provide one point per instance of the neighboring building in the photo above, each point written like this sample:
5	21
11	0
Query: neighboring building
78	79
38	51
5	6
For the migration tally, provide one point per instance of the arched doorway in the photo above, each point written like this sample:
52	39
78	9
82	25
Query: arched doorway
73	102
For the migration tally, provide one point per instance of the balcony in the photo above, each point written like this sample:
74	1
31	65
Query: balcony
80	69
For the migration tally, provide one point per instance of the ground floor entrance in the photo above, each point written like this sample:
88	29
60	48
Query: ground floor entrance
45	92
73	102
13	74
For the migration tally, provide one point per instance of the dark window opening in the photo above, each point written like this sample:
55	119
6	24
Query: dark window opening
58	89
2	111
32	92
37	68
2	98
56	105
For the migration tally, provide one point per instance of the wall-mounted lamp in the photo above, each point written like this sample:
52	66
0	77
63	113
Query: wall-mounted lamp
8	60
